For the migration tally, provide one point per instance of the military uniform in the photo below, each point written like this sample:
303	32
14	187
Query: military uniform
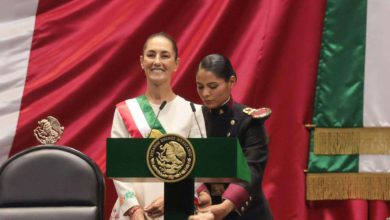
247	124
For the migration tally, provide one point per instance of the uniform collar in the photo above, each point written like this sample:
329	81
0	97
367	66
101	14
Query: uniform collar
223	108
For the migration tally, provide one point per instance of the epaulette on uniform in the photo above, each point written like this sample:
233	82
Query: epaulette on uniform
260	113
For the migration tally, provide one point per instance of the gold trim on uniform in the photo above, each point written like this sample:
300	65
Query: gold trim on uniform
248	111
170	158
258	113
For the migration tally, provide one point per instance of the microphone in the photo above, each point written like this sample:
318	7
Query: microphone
163	103
196	119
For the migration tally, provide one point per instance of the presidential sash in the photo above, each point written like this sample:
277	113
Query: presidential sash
138	116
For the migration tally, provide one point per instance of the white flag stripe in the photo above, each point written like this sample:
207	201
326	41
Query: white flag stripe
138	116
374	163
376	112
17	19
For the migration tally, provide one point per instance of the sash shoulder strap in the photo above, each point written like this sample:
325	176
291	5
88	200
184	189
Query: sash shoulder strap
138	116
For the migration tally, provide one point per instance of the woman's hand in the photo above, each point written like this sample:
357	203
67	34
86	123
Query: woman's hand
202	216
221	210
136	213
204	200
156	208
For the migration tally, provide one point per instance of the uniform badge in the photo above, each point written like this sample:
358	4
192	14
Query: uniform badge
170	158
49	130
261	113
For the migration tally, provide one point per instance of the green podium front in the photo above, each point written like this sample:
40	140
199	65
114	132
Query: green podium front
217	160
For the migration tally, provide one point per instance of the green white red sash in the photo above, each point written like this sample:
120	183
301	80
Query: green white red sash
138	116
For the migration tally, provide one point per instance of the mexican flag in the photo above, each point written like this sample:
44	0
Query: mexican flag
350	145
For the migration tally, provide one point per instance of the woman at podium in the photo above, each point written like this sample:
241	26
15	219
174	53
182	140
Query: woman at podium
225	118
157	112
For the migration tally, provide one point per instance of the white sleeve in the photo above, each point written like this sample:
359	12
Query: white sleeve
195	129
118	129
127	195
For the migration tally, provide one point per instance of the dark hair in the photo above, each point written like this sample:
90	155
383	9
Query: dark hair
164	35
219	65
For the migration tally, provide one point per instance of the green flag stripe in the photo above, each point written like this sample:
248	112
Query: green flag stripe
340	79
149	114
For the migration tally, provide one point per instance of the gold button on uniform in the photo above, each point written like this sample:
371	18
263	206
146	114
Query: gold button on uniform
228	134
221	111
242	209
232	122
247	203
250	198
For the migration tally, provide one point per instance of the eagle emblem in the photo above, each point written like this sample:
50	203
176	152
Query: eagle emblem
170	158
49	130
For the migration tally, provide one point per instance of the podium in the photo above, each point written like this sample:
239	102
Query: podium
217	160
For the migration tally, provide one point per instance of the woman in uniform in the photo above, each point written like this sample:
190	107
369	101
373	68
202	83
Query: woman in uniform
225	118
